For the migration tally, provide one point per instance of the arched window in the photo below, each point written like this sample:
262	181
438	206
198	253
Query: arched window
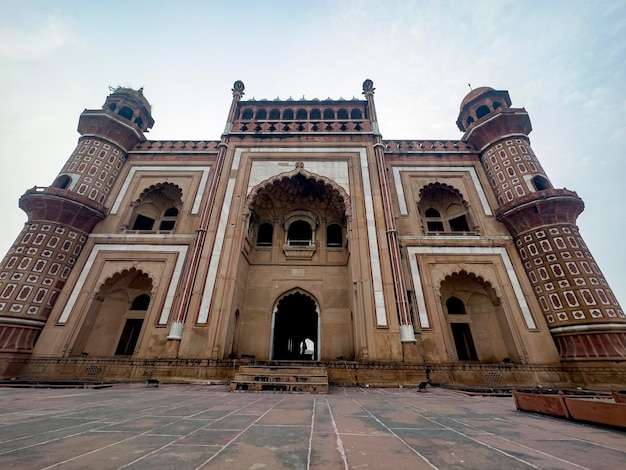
329	114
455	306
469	120
139	122
342	114
112	106
316	114
443	209
299	233
143	222
168	220
459	224
334	235
275	114
496	104
158	208
62	182
265	234
261	114
482	111
541	183
247	114
356	114
433	220
301	115
288	114
141	302
126	113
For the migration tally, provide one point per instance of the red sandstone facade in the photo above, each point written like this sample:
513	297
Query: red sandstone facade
301	235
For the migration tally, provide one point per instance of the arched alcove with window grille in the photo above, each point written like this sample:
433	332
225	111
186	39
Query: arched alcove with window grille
443	210
478	326
299	232
115	318
157	209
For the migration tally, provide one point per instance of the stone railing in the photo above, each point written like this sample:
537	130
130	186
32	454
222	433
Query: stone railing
300	126
544	194
67	194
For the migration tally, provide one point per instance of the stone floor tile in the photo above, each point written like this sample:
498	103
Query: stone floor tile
180	427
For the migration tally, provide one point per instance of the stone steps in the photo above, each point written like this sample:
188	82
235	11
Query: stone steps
290	379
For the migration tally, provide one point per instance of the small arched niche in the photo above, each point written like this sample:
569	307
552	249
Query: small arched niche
300	228
62	182
541	183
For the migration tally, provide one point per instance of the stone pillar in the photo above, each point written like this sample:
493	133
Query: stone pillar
190	270
407	334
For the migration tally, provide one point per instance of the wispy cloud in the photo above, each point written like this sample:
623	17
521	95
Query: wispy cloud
35	41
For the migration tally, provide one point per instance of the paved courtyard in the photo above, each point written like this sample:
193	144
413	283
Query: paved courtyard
205	427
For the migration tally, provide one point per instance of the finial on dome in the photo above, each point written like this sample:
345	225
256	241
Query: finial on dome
238	88
368	87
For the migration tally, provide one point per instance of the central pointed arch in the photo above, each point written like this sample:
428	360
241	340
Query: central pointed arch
300	183
295	327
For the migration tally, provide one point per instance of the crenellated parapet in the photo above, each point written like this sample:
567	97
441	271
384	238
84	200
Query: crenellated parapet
177	145
427	146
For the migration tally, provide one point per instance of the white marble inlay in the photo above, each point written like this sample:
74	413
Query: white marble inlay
131	174
465	250
181	250
419	169
280	166
262	169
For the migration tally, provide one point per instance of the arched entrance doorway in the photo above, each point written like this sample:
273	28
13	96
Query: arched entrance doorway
478	325
113	323
295	328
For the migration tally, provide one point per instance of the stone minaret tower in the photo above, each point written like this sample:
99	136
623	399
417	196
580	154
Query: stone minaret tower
582	313
61	216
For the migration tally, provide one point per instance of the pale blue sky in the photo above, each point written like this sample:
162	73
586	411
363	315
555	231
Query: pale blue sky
561	60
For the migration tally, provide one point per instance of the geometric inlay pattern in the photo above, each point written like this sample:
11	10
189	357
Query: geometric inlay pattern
37	266
566	279
94	167
506	166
